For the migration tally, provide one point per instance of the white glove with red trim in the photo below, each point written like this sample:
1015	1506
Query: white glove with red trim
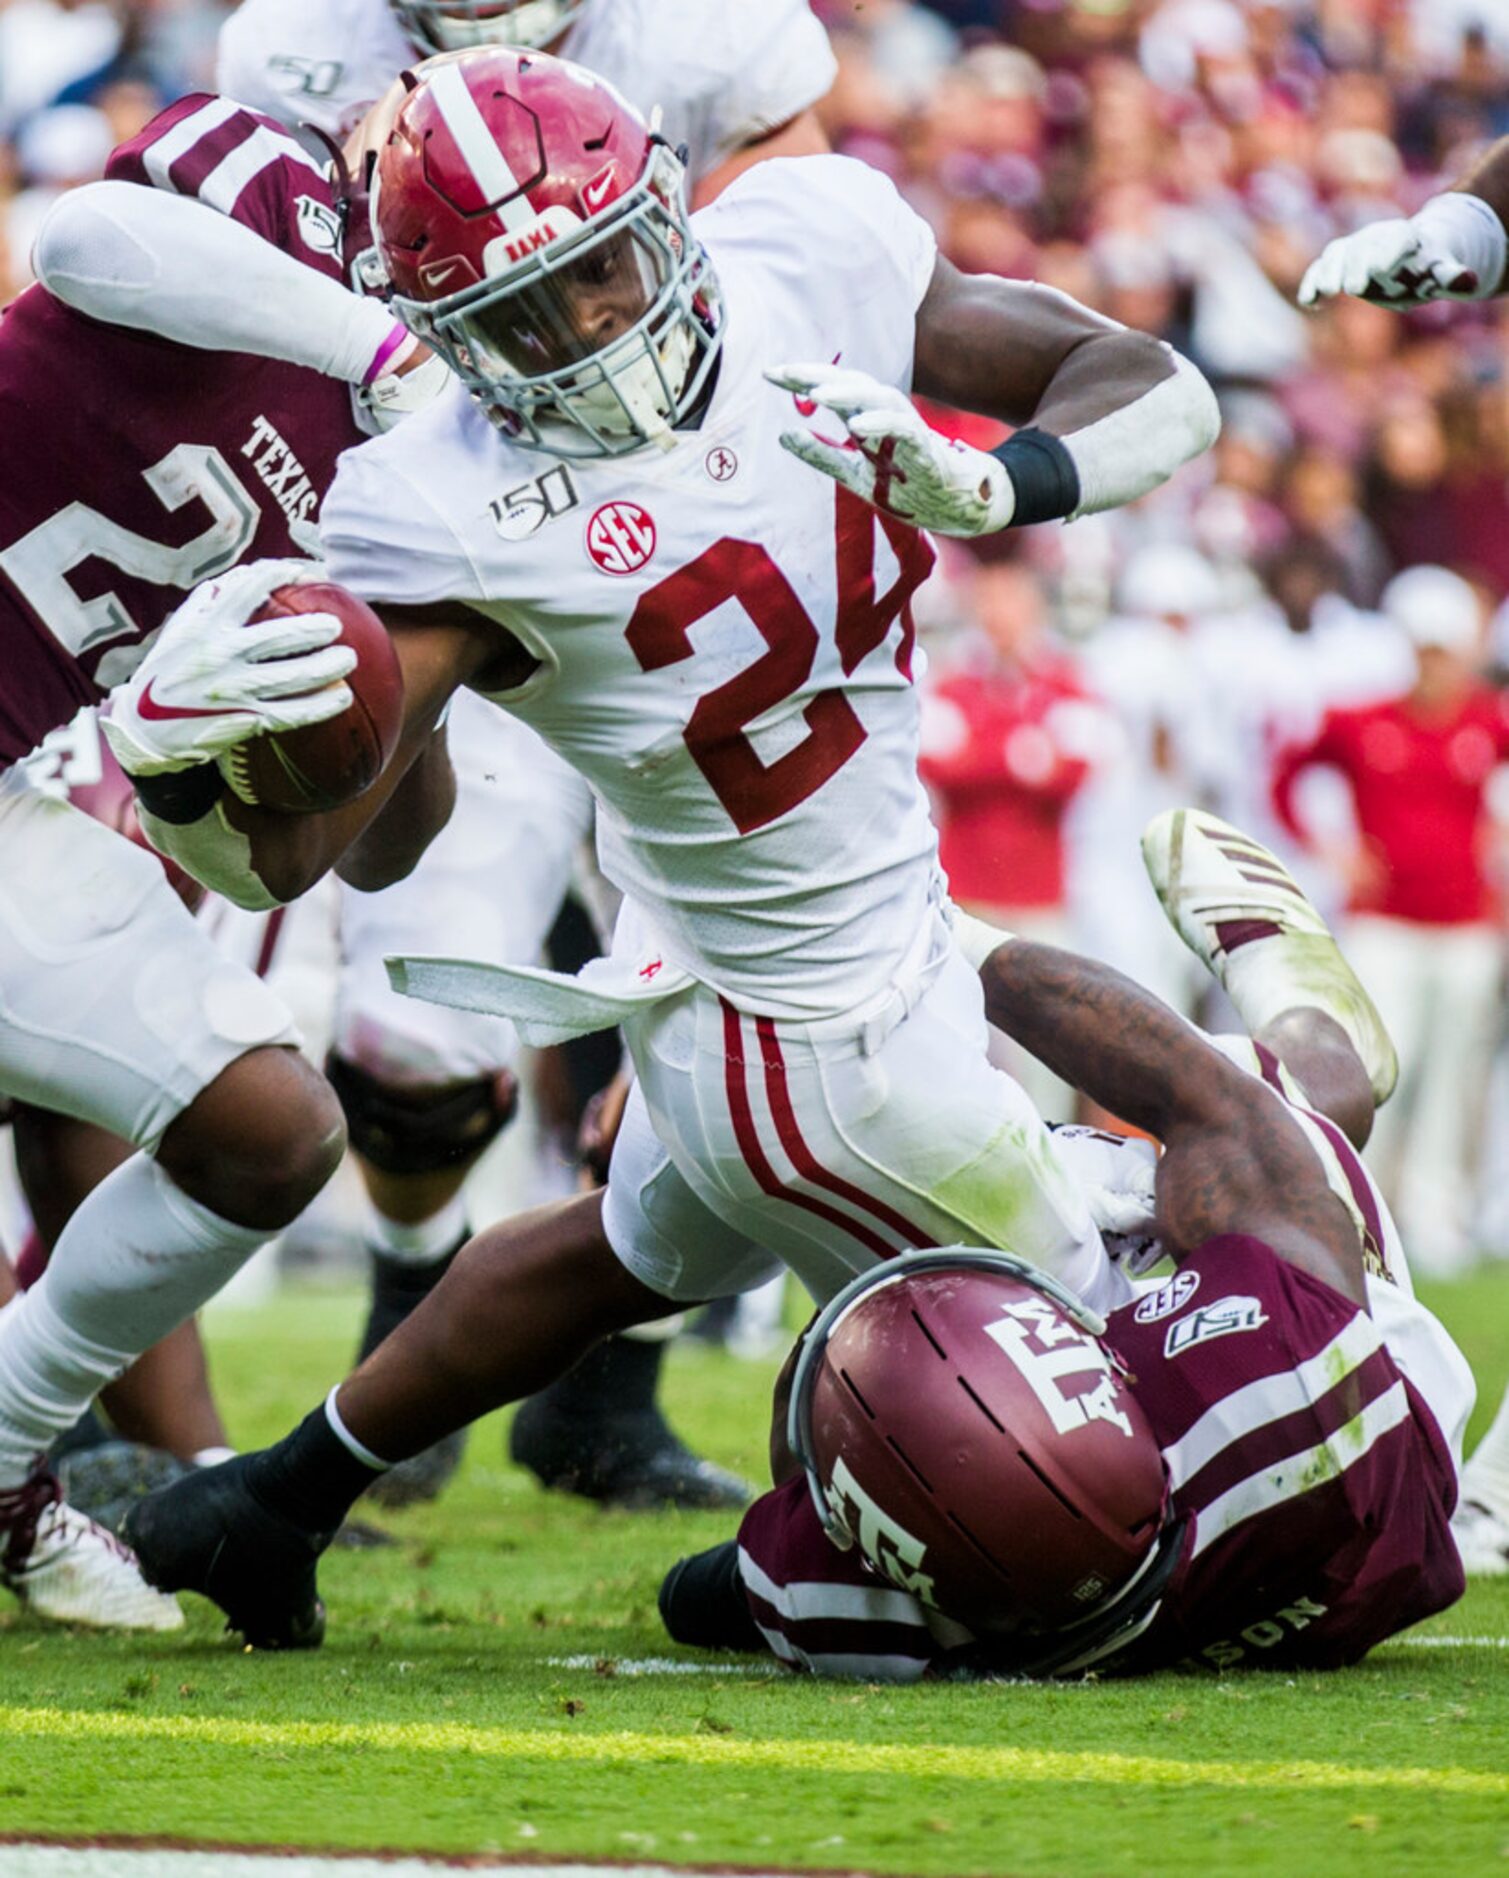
893	458
215	678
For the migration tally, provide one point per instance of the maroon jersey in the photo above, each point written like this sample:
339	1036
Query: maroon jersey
1316	1486
131	467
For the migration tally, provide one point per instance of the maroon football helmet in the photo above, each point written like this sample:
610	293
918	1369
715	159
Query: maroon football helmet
963	1424
535	234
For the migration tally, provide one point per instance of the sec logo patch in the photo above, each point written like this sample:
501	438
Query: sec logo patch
1168	1298
620	537
721	464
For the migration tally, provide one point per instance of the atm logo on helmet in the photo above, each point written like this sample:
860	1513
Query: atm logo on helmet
1048	1350
889	1547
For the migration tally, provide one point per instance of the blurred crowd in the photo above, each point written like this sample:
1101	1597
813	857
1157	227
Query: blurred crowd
1304	630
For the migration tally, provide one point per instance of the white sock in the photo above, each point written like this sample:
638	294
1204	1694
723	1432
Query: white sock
423	1244
1486	1476
137	1258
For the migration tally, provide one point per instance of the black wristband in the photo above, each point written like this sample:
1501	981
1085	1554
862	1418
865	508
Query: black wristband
1043	475
180	796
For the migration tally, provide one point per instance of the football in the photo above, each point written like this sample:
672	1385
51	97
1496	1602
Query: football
300	772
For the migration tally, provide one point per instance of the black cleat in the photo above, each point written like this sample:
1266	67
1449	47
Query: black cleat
211	1534
631	1460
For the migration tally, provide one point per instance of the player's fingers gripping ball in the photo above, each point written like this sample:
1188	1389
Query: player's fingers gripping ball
327	740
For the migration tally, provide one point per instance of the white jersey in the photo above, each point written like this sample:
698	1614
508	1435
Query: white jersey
723	72
723	640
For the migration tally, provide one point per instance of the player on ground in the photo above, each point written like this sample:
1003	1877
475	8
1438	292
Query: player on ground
1454	248
1254	1463
720	643
133	465
419	1082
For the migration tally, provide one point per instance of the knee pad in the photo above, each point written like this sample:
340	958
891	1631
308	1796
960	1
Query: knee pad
423	1130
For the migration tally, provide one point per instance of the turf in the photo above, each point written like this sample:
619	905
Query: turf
481	1691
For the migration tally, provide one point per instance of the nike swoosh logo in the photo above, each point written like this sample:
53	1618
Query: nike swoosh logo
148	707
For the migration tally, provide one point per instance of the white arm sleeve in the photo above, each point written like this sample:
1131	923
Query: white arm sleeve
212	851
1128	452
165	264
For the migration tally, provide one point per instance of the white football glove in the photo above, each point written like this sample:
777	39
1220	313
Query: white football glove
1117	1176
1452	250
893	458
212	680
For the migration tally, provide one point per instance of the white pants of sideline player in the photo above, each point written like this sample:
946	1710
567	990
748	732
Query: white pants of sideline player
1437	988
836	1143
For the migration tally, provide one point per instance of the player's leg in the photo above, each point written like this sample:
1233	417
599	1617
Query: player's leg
522	1302
839	1142
1481	1527
1235	1160
1462	967
117	1010
1236	908
599	1430
426	1089
164	1399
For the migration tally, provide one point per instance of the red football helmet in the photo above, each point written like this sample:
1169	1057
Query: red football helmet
963	1424
451	25
535	234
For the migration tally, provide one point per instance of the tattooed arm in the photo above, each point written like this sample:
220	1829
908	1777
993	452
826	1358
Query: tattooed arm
1235	1160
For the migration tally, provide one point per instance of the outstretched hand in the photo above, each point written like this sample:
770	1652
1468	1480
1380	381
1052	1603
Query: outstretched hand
891	457
1395	263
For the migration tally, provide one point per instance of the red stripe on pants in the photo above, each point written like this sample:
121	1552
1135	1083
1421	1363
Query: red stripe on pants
755	1156
805	1161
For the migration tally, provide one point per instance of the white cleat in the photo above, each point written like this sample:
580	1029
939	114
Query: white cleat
1482	1539
70	1571
1234	905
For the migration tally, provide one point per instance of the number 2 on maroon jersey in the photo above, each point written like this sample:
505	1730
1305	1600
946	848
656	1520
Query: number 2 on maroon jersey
753	792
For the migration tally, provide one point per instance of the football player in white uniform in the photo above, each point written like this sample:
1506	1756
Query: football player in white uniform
425	1088
1453	248
734	82
719	640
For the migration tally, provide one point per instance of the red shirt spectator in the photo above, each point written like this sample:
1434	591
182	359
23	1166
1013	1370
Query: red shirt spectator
1004	749
1418	767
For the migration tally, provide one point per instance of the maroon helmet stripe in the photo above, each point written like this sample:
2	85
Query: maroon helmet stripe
805	1161
754	1155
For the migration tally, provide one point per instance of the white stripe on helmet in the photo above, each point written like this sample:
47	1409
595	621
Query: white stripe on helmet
478	147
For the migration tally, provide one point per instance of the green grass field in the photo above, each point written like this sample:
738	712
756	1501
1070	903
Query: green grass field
490	1685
